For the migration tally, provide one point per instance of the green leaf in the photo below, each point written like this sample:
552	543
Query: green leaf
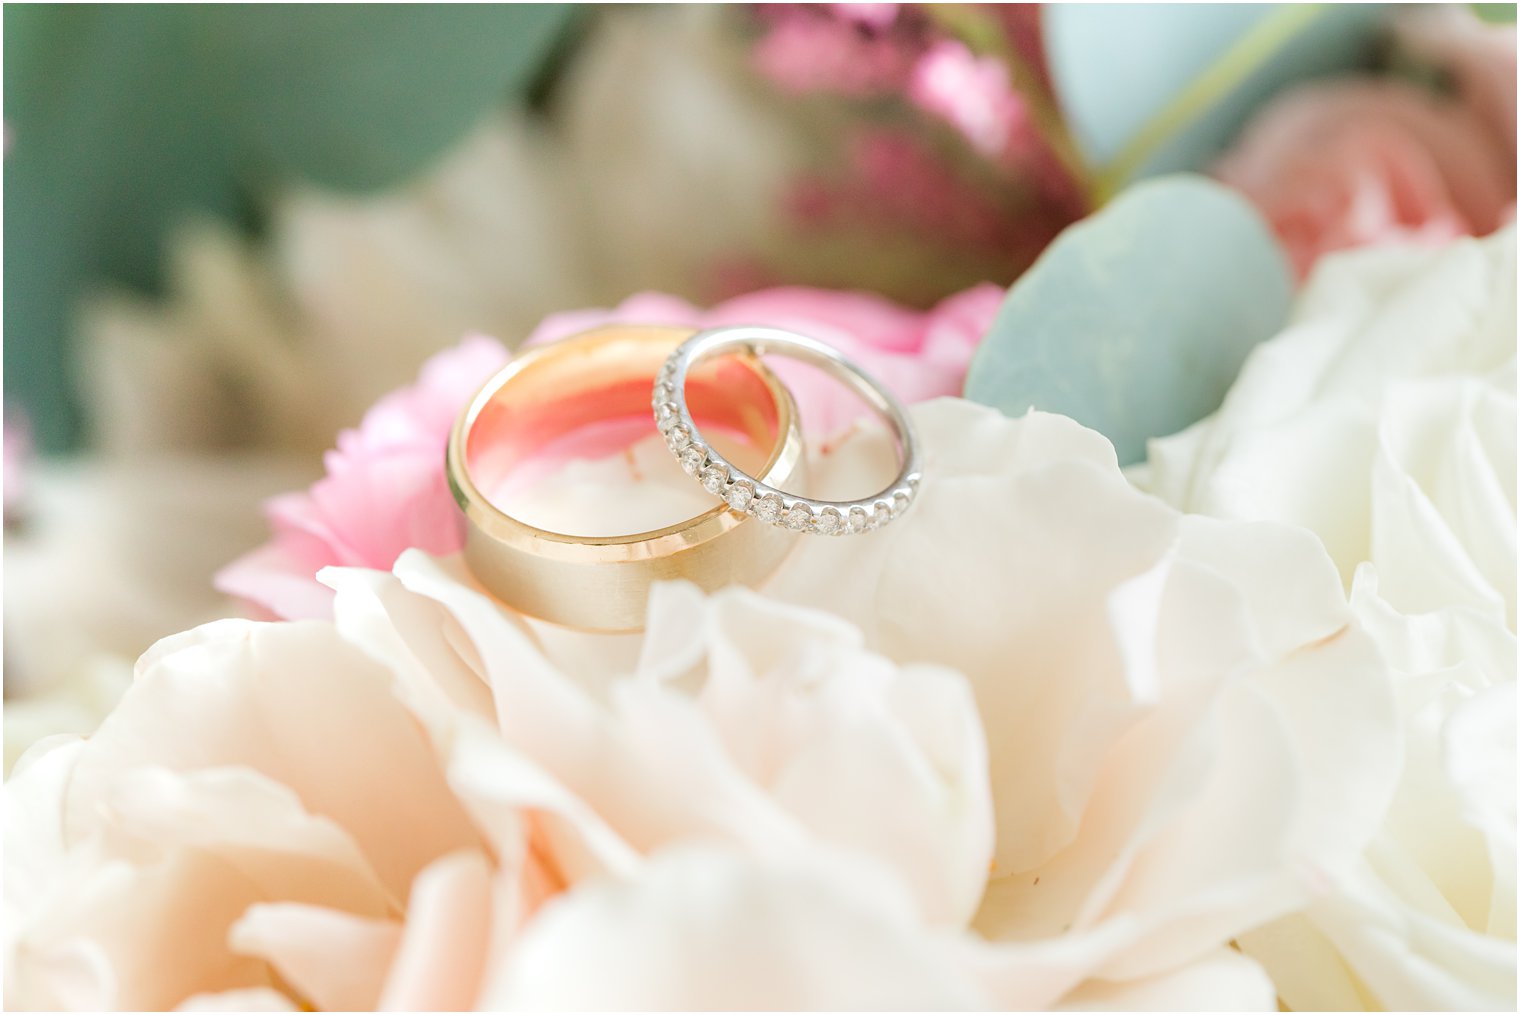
1136	320
360	97
125	119
1158	88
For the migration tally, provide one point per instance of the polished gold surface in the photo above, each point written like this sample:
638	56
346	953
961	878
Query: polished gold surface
602	582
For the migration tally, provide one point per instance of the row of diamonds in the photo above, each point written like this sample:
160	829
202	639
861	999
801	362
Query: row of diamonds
751	498
796	514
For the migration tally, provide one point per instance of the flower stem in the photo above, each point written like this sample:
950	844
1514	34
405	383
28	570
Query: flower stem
981	34
1248	55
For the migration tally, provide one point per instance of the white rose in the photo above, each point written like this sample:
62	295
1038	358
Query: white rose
1042	741
293	818
1384	419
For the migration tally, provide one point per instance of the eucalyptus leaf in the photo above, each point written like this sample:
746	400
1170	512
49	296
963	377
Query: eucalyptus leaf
1136	320
1496	14
124	119
1157	88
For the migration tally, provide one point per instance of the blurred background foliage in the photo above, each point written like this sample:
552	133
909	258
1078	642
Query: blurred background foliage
121	120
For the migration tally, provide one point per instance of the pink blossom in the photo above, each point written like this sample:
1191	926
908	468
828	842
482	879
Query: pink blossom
385	488
877	17
808	49
384	491
894	180
972	93
1352	163
1478	57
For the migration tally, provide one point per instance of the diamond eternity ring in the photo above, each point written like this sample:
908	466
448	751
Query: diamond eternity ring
748	495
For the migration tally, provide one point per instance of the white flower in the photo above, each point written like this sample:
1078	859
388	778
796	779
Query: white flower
1186	730
1042	741
266	802
107	558
1384	419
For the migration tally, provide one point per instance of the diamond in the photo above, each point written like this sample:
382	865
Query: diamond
899	503
714	478
858	520
828	523
769	508
692	458
662	393
799	518
677	437
739	495
665	414
881	516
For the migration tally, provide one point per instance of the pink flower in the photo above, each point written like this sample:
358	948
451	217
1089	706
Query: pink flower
385	489
877	17
1479	58
1353	163
894	181
857	53
970	92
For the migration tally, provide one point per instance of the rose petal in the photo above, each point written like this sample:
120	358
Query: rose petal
702	929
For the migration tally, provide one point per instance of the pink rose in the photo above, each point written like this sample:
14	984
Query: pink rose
1352	163
1479	58
385	489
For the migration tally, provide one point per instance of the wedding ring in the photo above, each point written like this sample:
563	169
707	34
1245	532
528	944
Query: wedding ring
762	496
601	377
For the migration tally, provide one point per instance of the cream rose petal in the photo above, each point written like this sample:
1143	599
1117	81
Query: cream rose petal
333	960
802	710
100	943
256	826
1039	553
1426	919
442	955
253	999
747	720
1442	519
288	700
1403	362
1148	685
233	772
705	929
1425	961
1223	981
1382	418
1478	755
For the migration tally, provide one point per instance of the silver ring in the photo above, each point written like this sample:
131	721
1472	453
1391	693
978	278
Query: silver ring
743	492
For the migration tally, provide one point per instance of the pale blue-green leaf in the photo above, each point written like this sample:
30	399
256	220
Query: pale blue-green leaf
1116	66
1136	320
1496	14
124	119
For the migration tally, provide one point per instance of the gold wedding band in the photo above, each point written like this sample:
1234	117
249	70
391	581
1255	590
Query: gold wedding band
602	582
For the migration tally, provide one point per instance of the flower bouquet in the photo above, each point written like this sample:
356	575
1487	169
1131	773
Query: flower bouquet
1174	670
